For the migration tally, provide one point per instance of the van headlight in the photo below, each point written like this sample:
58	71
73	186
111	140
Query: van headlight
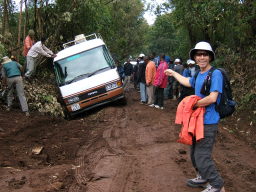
73	100
111	86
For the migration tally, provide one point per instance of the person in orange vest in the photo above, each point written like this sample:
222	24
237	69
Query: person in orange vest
150	76
201	151
28	43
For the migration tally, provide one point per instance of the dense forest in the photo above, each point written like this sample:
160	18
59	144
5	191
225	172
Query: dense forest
229	25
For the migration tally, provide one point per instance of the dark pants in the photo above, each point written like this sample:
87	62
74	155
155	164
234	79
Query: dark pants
159	96
185	91
201	156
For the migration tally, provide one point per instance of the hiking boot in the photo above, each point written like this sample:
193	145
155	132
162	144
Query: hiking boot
212	189
197	182
157	106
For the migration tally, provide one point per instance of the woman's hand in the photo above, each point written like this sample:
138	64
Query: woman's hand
169	72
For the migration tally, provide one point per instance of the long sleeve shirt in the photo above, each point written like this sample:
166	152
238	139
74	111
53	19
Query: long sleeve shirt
39	49
28	43
150	72
160	78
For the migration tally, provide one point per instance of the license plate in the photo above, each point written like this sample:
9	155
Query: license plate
75	107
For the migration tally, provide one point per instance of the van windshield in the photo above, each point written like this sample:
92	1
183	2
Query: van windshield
83	65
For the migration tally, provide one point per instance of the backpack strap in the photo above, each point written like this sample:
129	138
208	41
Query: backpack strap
205	89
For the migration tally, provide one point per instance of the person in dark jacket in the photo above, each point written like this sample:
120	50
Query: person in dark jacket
135	75
142	79
128	69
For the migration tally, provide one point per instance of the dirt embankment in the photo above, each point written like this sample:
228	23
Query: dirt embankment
128	148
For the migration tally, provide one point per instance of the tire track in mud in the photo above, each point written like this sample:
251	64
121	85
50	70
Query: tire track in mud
138	152
88	173
127	158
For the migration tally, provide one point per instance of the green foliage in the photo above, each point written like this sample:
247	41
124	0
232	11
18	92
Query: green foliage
3	51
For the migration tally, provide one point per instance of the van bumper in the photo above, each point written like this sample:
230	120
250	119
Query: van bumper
85	105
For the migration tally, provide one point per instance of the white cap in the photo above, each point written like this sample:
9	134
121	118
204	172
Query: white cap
177	61
141	55
190	61
6	59
202	46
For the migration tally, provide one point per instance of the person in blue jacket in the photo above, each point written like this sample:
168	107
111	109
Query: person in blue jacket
201	152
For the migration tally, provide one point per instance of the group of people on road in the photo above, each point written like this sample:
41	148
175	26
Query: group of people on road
12	72
149	78
154	75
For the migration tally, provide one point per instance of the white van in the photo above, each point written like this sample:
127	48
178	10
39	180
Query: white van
86	75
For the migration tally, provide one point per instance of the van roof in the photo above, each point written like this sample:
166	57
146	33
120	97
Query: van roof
78	48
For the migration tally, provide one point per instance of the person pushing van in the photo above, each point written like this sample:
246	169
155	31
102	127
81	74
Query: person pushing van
35	51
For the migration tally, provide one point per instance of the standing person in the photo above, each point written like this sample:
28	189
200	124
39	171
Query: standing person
35	51
150	76
178	67
201	152
135	75
189	71
128	69
156	59
11	73
142	79
28	43
192	67
160	82
120	70
170	81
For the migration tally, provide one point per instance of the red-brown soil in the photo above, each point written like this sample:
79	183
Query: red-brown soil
114	148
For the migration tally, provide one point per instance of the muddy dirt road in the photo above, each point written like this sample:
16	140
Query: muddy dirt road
117	148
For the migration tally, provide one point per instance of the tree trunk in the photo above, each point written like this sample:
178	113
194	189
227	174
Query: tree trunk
35	16
19	27
26	20
5	28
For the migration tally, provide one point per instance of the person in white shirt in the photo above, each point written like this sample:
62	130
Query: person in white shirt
35	51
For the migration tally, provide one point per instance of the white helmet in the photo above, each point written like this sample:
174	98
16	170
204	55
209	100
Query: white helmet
177	61
190	61
202	46
141	55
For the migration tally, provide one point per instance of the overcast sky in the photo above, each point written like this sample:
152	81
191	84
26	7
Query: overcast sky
150	16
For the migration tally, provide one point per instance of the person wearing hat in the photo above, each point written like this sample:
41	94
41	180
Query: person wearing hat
142	79
201	152
11	73
178	67
189	71
35	51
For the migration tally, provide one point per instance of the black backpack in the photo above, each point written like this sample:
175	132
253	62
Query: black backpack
226	107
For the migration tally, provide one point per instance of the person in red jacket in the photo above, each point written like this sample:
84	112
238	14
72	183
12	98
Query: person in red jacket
28	43
160	82
201	151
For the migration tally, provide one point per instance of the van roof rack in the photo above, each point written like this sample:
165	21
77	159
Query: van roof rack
82	38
